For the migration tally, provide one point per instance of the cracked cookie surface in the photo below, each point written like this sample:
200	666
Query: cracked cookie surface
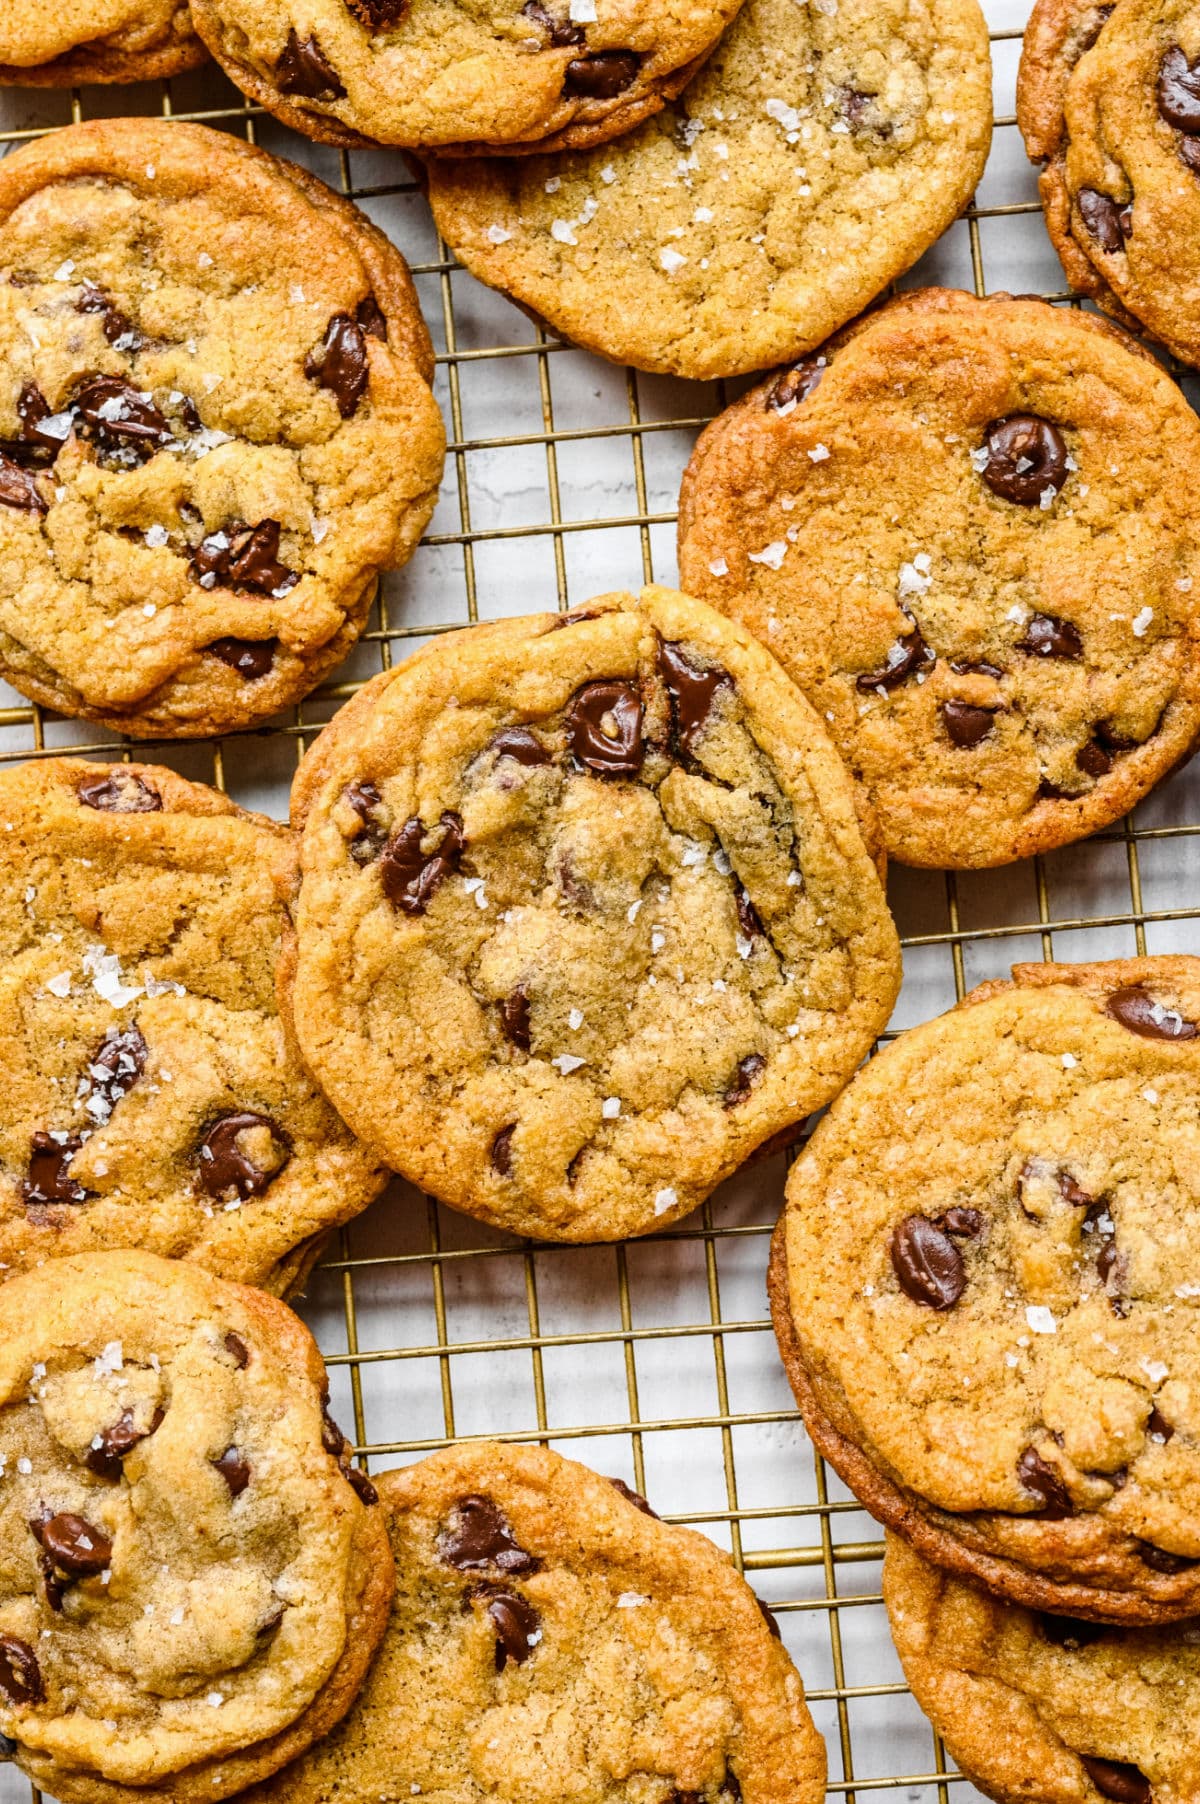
551	1639
153	1096
584	915
216	426
1108	102
95	41
192	1581
1037	1707
457	76
985	1286
813	159
968	530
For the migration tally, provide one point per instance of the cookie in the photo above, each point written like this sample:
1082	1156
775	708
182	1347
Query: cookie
216	426
453	77
153	1096
816	156
584	915
194	1578
552	1639
74	41
1108	102
969	531
1041	1709
984	1287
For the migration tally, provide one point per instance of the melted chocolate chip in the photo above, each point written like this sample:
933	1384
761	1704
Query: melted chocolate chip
74	1545
1137	1010
479	1536
1108	222
412	877
560	32
692	688
253	659
117	1064
748	921
243	557
1178	90
908	655
53	1582
361	1485
1093	760
1108	1261
20	1674
226	1170
519	744
967	725
106	1460
1158	1428
795	385
233	1470
964	1224
116	325
50	1179
379	15
1189	151
332	1438
743	1079
1117	1779
769	1617
514	1018
372	318
1159	1560
1048	637
237	1349
604	723
18	488
121	792
32	409
501	1154
1044	1483
634	1497
515	1621
113	413
928	1266
601	77
1026	456
304	69
371	837
1065	1631
975	667
1074	1193
341	364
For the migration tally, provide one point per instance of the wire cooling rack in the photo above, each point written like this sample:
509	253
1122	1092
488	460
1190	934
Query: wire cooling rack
654	1360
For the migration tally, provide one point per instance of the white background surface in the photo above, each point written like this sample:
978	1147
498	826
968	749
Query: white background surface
732	1456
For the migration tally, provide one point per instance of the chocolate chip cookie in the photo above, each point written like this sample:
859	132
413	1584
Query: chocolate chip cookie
1108	103
985	1283
216	426
1038	1707
816	156
152	1095
56	46
456	76
194	1579
969	530
552	1639
584	915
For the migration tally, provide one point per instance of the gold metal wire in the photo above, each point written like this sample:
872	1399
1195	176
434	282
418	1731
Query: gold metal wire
831	1560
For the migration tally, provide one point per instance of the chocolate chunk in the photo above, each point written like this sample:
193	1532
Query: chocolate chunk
412	877
1108	222
1093	760
121	792
1178	90
743	1079
907	656
54	1583
574	618
226	1169
1026	456
693	689
116	325
969	667
243	557
341	364
1066	1631
519	744
367	803
239	1352
964	1224
1189	151
304	69
502	1150
106	1460
117	1064
748	921
1137	1010
1044	1483
559	31
253	659
1117	1779
514	1018
1159	1560
515	1622
634	1497
795	385
18	488
233	1470
379	15
361	1485
604	722
20	1674
114	414
372	318
32	409
769	1617
479	1536
50	1179
1158	1428
332	1438
601	77
74	1545
1048	637
967	725
927	1264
